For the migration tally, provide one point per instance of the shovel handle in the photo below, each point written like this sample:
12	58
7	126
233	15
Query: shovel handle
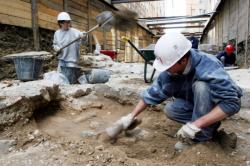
73	41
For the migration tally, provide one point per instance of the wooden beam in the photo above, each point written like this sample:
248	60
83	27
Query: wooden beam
65	5
35	27
89	25
174	27
130	1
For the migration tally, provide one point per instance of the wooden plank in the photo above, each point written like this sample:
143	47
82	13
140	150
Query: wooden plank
81	7
53	5
17	12
46	17
44	9
17	21
28	1
76	12
80	2
78	19
15	4
47	25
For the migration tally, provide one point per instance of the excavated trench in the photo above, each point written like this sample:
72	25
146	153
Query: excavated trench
69	132
151	143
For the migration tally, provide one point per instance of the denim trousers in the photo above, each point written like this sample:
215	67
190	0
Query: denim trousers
184	111
65	64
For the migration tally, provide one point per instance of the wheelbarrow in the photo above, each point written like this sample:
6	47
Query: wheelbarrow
148	55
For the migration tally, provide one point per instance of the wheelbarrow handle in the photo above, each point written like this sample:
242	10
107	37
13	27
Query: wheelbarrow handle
125	39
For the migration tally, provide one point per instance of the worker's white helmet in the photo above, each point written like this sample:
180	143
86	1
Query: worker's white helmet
63	16
170	48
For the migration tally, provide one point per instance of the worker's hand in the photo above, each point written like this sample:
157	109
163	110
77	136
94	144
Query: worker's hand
126	121
83	35
120	125
57	49
188	130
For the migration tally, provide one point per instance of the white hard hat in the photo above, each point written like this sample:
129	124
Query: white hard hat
63	16
170	48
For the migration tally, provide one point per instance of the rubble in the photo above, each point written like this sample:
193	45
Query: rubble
241	78
19	102
5	145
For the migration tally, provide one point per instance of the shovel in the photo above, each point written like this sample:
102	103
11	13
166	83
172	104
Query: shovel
104	20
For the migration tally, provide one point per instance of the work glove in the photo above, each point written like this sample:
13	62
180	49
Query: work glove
83	34
120	125
57	49
126	121
187	131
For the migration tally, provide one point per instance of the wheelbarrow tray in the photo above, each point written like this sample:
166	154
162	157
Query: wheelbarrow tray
148	54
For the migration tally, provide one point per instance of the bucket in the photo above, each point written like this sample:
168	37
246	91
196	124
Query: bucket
72	73
28	68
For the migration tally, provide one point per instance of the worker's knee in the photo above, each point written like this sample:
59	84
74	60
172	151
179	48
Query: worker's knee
169	110
200	88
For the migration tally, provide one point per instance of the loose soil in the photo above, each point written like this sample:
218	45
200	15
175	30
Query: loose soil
67	137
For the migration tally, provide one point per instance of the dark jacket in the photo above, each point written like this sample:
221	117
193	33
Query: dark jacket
206	68
229	59
194	41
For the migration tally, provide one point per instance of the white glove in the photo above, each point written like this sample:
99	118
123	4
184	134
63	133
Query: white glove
122	124
188	130
126	121
56	48
83	34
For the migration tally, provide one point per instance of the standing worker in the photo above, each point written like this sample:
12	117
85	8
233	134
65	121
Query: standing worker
69	56
204	94
227	57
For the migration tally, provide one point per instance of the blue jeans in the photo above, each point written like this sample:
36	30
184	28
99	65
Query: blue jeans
184	111
65	64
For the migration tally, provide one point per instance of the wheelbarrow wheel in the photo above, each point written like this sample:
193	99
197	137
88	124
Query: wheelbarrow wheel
146	79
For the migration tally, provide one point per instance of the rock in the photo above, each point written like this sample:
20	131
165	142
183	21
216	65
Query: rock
85	117
99	61
100	147
240	76
80	93
36	133
19	102
94	125
247	131
245	114
227	141
153	150
244	158
5	145
75	91
88	133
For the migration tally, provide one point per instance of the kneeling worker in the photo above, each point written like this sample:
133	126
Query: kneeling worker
204	94
227	57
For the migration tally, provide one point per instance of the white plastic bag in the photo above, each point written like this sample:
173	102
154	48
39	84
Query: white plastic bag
98	76
56	77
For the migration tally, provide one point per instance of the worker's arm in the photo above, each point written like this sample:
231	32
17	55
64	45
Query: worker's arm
139	108
212	117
